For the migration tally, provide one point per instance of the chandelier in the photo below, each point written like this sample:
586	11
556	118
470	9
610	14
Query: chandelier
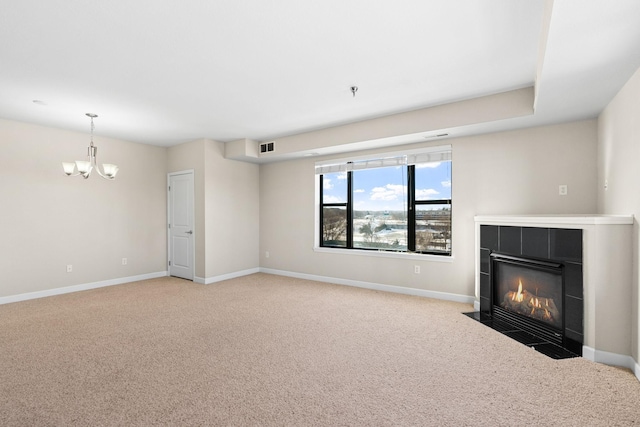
84	167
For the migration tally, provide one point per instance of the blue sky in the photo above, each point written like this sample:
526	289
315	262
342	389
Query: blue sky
385	188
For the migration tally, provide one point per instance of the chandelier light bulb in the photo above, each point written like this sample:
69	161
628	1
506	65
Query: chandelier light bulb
69	168
110	170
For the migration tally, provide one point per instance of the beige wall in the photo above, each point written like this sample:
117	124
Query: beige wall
49	220
232	210
515	172
227	208
618	154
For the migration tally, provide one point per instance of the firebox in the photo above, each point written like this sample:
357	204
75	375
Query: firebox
528	292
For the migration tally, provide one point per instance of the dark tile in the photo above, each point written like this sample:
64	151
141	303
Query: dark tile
489	237
509	240
485	286
575	337
479	316
485	305
566	244
574	346
573	314
535	242
553	351
484	260
573	279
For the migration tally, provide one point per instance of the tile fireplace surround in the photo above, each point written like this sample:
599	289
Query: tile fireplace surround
607	270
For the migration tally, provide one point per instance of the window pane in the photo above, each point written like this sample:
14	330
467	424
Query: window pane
379	208
334	187
433	228
334	226
433	180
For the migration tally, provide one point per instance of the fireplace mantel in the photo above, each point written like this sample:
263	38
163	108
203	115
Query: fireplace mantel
607	276
566	221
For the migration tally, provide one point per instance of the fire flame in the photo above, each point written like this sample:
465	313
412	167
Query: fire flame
519	297
538	307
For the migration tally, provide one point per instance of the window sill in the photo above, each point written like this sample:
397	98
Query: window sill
386	254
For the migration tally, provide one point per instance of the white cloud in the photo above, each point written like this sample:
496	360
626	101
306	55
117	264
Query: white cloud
425	193
428	165
359	190
388	192
326	184
332	199
446	183
342	175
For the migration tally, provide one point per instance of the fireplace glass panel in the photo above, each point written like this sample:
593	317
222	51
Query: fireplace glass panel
535	293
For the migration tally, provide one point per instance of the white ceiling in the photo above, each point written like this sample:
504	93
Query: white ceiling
164	72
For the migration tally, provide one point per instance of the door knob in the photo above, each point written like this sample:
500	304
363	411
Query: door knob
189	232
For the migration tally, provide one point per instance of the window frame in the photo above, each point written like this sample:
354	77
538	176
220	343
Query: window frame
349	212
412	206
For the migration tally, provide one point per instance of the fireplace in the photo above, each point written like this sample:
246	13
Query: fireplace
531	286
529	293
596	254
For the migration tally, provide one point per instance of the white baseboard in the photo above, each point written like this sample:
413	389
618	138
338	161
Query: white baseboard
77	288
214	279
375	286
613	359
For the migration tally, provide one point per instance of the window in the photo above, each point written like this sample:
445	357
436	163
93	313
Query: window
394	202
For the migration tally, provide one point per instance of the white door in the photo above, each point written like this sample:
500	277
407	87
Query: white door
181	237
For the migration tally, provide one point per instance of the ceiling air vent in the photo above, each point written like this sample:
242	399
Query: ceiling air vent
267	147
440	135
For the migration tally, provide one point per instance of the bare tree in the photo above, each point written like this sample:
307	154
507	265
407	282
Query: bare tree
367	231
380	227
334	224
423	239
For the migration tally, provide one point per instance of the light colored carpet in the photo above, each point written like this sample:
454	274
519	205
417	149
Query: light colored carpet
270	350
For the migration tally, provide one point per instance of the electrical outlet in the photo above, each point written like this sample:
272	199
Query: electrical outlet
266	254
563	190
416	269
124	261
69	268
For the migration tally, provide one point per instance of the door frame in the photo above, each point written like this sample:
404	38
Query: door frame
193	219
